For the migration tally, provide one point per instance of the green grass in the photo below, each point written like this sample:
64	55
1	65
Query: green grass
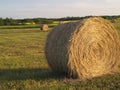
25	26
23	65
19	27
117	25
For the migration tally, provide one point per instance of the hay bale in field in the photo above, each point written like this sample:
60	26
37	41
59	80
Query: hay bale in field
84	49
44	27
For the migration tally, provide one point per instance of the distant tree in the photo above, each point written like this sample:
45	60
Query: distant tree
37	20
46	21
1	22
30	21
10	21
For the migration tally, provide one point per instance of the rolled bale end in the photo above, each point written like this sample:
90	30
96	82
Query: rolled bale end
84	49
44	27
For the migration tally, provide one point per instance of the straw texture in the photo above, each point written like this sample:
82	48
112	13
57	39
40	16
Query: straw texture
84	49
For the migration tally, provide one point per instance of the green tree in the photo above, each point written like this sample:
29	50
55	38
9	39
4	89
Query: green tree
1	22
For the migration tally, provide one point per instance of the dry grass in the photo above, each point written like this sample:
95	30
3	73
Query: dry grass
44	27
23	65
84	49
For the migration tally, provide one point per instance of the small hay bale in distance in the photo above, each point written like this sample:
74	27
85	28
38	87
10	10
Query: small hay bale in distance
44	27
84	49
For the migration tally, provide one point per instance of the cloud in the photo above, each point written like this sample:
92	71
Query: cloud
113	1
61	8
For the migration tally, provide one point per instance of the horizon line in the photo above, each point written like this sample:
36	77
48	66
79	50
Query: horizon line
58	17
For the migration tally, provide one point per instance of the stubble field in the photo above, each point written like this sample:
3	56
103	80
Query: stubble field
23	65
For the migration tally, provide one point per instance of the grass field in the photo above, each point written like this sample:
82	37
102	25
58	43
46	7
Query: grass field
23	65
25	26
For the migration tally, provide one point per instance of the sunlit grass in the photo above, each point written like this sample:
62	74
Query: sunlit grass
23	65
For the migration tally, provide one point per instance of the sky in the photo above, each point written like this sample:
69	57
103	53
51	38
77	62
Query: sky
20	9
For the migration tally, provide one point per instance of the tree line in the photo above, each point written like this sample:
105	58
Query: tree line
10	21
29	21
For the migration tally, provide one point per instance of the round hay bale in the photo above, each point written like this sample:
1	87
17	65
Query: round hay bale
44	27
84	49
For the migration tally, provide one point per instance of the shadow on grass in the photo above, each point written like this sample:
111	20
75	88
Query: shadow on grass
24	74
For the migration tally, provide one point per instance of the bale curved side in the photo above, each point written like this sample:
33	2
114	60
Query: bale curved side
83	49
56	48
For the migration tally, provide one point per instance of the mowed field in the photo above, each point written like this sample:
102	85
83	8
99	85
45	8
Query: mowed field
23	65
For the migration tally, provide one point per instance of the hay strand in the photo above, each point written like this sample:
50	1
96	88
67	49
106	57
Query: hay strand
84	49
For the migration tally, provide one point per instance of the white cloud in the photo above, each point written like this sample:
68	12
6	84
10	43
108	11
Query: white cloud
64	8
113	1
